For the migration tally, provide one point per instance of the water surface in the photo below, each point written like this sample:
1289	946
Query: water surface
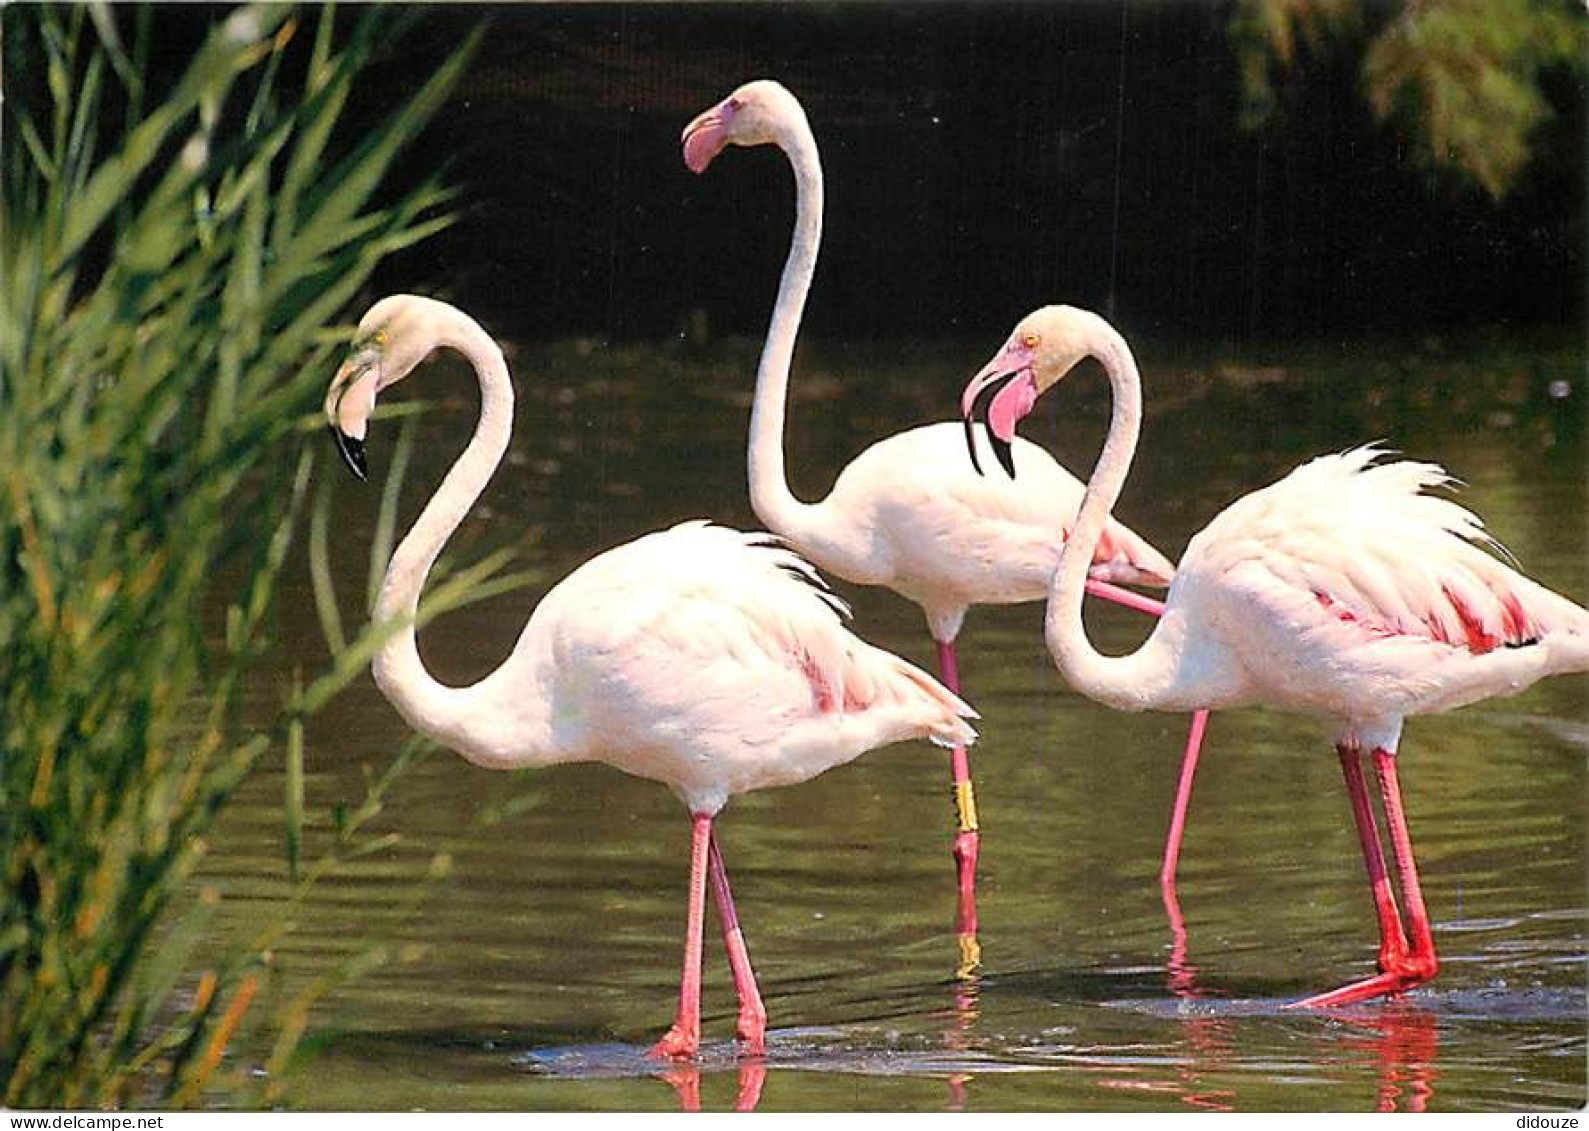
537	973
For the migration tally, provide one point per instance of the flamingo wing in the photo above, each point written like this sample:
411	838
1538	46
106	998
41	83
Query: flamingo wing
985	537
1354	558
718	662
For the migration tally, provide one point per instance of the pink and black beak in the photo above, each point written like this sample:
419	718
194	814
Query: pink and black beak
1000	395
349	403
704	138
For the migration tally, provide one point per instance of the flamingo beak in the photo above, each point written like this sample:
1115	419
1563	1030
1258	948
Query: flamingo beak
352	450
705	136
349	402
1001	394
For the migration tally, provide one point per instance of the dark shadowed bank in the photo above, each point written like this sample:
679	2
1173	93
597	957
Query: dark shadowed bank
980	159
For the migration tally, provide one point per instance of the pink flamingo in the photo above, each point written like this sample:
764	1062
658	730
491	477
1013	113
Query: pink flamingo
712	661
907	513
1342	590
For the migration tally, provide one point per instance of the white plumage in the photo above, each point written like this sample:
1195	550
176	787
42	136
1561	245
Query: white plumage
712	661
1346	589
715	662
908	513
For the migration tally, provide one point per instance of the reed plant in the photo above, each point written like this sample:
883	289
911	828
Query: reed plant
175	254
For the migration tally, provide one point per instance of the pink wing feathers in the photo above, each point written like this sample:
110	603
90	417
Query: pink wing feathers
1380	554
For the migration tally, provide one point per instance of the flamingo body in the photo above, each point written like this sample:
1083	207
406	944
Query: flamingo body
712	661
906	513
911	514
1344	590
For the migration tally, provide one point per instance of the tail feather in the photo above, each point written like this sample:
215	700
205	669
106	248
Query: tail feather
944	713
1132	560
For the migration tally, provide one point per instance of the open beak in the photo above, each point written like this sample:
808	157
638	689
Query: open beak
349	403
1001	393
704	138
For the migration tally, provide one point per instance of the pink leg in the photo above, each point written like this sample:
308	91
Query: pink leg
752	1027
685	1036
1183	800
966	836
1421	964
1400	967
1130	599
1194	737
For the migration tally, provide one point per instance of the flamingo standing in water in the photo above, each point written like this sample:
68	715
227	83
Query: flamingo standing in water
1343	590
907	513
712	661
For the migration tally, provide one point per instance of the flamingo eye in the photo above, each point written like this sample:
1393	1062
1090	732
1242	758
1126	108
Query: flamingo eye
735	104
1030	341
381	337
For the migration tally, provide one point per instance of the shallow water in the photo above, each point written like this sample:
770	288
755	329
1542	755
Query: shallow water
535	976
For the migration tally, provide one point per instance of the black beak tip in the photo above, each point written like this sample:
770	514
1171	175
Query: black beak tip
1005	453
352	450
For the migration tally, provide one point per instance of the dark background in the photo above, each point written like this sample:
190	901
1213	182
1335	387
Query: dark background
981	159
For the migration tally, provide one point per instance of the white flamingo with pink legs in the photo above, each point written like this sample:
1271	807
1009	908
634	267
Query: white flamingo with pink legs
908	513
1344	590
712	661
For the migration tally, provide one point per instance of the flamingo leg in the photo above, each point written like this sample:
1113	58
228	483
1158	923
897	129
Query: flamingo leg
1400	967
684	1037
966	840
1103	590
752	1026
1120	596
1183	800
1421	964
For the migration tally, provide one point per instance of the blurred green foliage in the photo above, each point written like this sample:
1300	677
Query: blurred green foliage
1461	80
173	250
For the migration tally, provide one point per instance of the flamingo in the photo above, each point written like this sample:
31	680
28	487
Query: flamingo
1343	590
709	660
907	513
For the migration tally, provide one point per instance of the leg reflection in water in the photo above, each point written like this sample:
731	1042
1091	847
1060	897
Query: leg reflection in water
1398	1040
957	1037
685	1080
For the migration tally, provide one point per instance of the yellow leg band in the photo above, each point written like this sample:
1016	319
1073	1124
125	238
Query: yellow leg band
965	806
970	956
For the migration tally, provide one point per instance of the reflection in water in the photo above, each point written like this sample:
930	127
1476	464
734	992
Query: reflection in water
1398	1039
1401	1041
685	1080
957	1037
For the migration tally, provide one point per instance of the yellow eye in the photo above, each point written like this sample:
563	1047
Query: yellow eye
380	337
1030	341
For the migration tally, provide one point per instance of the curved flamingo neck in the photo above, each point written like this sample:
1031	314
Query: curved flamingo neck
1142	679
448	714
770	496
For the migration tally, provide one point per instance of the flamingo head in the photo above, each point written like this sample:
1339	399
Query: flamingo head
393	337
758	113
1044	346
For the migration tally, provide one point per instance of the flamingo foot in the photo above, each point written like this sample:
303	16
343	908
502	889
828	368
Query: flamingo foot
1411	971
752	1032
676	1044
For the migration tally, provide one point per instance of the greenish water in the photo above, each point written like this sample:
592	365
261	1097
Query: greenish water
535	976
